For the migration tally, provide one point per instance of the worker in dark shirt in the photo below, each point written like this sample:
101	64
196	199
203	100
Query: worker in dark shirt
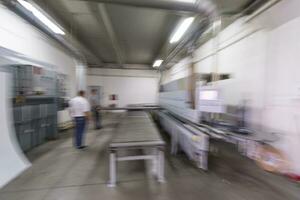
95	104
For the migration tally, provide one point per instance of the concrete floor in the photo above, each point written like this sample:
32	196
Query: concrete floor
60	172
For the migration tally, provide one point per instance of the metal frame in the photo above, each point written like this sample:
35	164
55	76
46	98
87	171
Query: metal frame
177	130
101	15
157	160
153	147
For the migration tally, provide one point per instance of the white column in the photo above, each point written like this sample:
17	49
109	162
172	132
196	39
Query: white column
112	169
80	75
12	159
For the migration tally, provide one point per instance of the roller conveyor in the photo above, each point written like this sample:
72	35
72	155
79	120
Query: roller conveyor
194	142
193	138
137	131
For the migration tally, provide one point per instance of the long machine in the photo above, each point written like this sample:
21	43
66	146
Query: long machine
191	129
194	142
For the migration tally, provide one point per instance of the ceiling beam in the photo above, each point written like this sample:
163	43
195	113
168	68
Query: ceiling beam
100	13
125	66
203	7
165	47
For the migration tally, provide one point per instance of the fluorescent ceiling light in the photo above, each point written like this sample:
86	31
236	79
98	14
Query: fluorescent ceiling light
157	63
188	1
41	17
182	28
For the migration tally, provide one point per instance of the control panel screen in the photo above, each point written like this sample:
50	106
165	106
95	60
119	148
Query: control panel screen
209	95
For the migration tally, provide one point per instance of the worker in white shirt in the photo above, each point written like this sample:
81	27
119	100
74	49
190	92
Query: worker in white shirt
80	112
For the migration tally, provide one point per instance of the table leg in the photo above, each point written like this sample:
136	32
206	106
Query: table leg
112	169
202	160
154	169
161	166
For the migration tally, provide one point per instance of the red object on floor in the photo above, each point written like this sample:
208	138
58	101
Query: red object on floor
294	177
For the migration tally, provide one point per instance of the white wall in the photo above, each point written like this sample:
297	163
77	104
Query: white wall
131	86
262	55
178	71
19	36
13	162
283	86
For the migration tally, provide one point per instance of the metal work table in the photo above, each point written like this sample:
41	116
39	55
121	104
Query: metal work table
136	131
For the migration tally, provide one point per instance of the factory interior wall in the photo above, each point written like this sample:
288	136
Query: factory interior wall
262	57
282	106
32	43
19	36
131	86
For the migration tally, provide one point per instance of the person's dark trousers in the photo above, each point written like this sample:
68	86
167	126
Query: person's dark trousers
97	118
79	131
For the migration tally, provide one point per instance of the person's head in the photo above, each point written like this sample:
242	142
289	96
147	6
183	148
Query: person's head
94	91
81	93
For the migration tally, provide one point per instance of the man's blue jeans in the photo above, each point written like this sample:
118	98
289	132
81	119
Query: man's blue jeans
79	131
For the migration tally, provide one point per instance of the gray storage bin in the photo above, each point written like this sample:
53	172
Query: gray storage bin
51	109
25	135
52	127
43	110
35	134
26	113
36	113
42	131
17	114
17	131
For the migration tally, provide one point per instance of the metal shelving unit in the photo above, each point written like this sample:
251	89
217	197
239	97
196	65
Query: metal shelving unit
35	105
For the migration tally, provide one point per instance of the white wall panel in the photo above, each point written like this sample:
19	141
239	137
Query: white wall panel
283	88
13	162
131	86
178	71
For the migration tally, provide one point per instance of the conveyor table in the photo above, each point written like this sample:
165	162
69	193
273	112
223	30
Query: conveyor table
137	131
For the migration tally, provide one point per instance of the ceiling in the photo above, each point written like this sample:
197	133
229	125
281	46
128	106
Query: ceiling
119	36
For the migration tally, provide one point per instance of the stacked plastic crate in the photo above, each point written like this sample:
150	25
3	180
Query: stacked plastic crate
35	114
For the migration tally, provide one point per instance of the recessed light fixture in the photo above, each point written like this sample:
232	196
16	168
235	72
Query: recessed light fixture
181	29
38	14
157	63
